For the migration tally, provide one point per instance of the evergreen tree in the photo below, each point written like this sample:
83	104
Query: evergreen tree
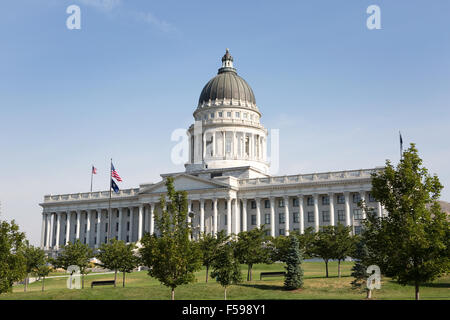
412	243
209	244
361	258
226	267
12	260
294	272
171	257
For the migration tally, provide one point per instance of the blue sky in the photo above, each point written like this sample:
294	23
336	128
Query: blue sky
338	92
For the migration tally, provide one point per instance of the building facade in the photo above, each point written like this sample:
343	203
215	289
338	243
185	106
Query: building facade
227	180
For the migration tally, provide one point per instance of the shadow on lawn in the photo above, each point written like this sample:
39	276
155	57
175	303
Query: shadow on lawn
262	286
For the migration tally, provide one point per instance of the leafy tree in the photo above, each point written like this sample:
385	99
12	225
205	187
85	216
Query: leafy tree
294	275
344	244
42	271
12	260
118	256
209	244
171	257
306	242
280	248
253	247
324	245
412	243
34	257
362	260
77	254
226	267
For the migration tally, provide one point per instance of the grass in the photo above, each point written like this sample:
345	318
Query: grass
140	286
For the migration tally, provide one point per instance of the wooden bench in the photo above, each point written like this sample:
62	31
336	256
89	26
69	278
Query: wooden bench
271	274
102	283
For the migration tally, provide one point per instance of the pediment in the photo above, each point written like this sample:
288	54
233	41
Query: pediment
184	182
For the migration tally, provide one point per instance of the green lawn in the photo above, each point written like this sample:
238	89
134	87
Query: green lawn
140	286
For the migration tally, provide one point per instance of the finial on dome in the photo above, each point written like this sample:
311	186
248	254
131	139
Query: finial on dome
227	62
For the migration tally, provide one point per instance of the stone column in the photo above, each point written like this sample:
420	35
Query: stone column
301	214
228	216
99	227
272	216
202	216
58	226
363	200
215	216
141	209
258	212
67	227
52	234
152	217
88	227
43	230
286	215
244	214
236	220
316	212
347	208
331	196
380	210
47	244
131	224
78	224
119	236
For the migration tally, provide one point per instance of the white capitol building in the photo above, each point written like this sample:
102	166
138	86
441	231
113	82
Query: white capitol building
227	181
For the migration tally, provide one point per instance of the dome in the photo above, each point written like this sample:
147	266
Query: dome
227	87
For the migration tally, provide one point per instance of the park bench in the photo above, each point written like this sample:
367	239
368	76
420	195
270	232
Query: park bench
101	283
271	274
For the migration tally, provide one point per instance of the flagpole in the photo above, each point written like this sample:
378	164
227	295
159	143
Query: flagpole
92	174
109	209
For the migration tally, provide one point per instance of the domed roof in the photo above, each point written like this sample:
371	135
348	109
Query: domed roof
227	87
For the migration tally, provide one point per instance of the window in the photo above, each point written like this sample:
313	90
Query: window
211	115
226	220
325	200
310	201
226	204
106	239
253	204
281	217
253	219
117	214
220	113
212	205
106	227
229	114
281	203
95	240
84	240
281	232
295	202
310	216
266	204
340	199
128	238
128	214
326	216
238	114
357	229
357	214
205	117
96	227
128	226
117	227
85	228
371	198
96	215
356	198
296	217
75	227
267	218
341	215
245	116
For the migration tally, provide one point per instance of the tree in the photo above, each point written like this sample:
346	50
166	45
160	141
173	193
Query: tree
171	257
362	260
294	272
344	244
42	271
118	256
280	248
253	247
77	254
412	243
324	245
226	267
34	257
12	260
209	244
306	242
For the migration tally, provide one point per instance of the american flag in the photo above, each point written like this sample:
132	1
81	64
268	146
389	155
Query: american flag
114	173
94	170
